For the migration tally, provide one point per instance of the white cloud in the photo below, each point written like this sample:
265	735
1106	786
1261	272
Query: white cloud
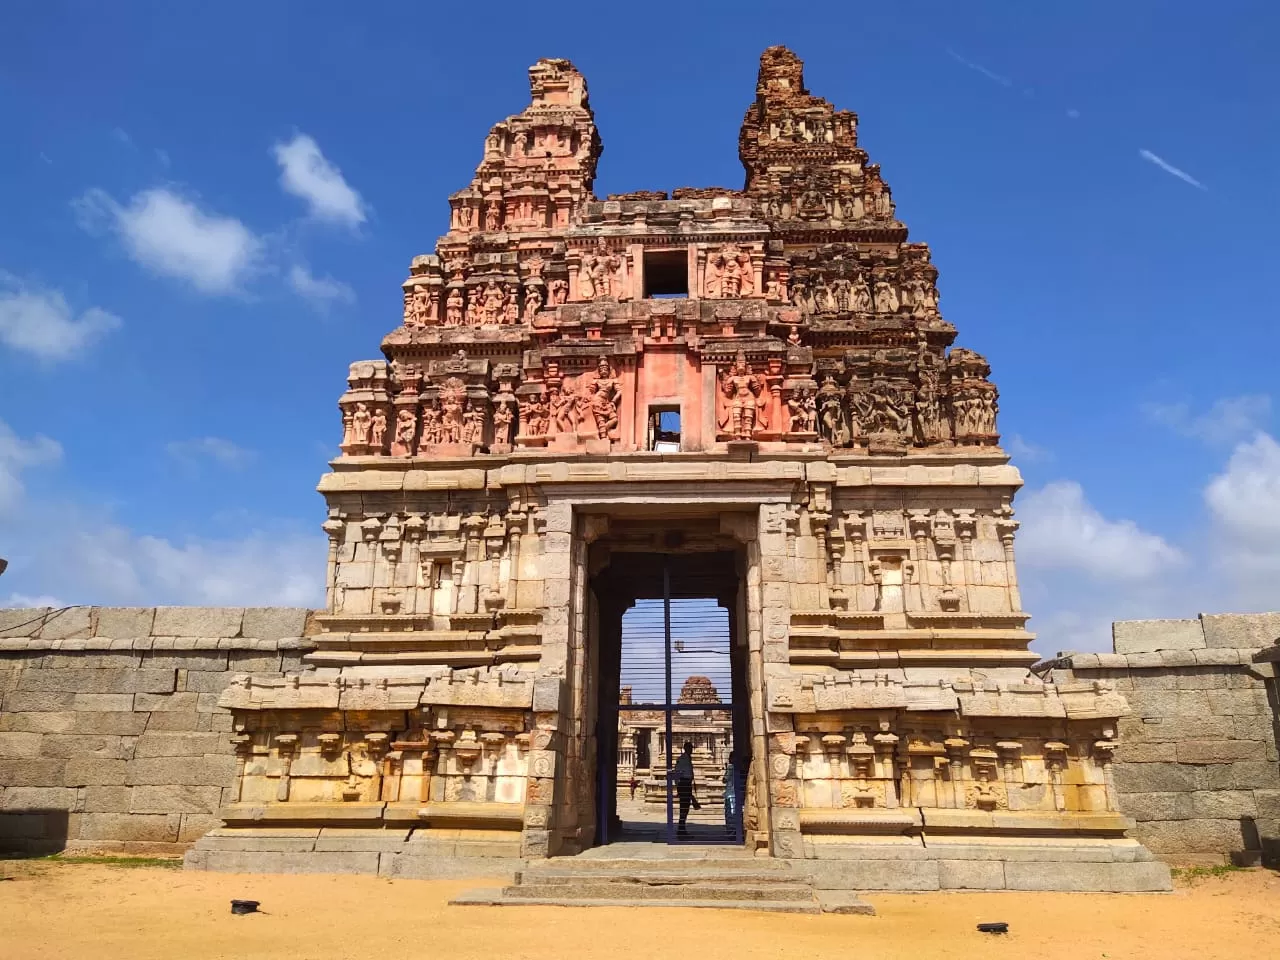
113	564
307	174
225	452
1170	169
17	455
22	600
69	551
321	291
1062	530
1073	567
1228	420
41	323
170	235
1244	508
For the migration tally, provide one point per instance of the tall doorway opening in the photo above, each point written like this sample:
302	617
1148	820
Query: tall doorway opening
673	729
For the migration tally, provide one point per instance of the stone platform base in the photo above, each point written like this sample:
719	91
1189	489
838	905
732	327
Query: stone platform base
384	853
1112	866
1069	865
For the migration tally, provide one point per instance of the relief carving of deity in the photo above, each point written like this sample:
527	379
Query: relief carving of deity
532	300
378	430
431	432
492	302
493	215
503	420
533	416
511	306
860	296
892	409
558	289
473	423
803	410
923	300
475	308
886	298
744	408
599	273
454	305
599	395
730	274
361	424
406	427
862	411
560	412
451	412
832	426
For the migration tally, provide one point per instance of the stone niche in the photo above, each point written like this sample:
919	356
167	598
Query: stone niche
760	374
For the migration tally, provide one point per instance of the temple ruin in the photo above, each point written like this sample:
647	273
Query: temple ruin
746	396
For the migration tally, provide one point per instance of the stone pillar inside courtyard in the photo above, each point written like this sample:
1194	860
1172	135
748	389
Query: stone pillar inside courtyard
762	374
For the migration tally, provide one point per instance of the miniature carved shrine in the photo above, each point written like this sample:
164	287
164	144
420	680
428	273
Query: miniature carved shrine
744	395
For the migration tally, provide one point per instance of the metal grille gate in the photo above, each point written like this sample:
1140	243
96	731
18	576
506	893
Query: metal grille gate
675	745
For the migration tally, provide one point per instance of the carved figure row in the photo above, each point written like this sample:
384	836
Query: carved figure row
490	305
844	294
592	407
899	408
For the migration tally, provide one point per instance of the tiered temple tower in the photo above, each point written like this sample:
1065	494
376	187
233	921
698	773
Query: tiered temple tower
755	382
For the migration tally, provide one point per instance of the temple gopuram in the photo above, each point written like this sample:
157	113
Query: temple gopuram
743	395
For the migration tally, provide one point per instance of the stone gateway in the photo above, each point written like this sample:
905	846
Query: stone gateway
751	393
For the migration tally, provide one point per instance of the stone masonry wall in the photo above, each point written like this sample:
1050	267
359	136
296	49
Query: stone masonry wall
111	740
1197	766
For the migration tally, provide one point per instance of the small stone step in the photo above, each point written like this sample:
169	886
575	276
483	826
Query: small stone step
630	889
495	898
656	878
573	866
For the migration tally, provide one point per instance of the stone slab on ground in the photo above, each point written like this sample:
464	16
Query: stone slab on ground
844	901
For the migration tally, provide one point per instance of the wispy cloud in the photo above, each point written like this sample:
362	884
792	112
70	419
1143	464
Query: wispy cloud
1022	449
42	324
979	68
306	173
225	452
17	455
1229	420
171	235
321	291
1170	169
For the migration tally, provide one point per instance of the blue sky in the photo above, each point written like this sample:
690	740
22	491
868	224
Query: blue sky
206	212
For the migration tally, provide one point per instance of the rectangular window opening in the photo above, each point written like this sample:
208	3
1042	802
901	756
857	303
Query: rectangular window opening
664	429
666	274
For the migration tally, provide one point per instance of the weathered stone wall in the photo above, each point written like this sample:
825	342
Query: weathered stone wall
1197	766
111	739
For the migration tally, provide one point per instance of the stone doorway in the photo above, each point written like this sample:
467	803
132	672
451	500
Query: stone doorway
672	668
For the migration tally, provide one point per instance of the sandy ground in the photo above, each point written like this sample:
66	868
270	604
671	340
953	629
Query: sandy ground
50	911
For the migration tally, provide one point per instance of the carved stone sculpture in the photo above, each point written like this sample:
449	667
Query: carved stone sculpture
745	407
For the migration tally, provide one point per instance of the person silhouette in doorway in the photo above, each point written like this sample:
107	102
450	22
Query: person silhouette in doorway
682	774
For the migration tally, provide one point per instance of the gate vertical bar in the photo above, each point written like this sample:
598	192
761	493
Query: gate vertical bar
666	646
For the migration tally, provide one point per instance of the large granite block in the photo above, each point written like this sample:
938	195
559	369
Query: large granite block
198	622
274	623
1241	630
121	623
1149	636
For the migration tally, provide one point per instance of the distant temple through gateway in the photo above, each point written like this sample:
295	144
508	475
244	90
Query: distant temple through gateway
742	397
